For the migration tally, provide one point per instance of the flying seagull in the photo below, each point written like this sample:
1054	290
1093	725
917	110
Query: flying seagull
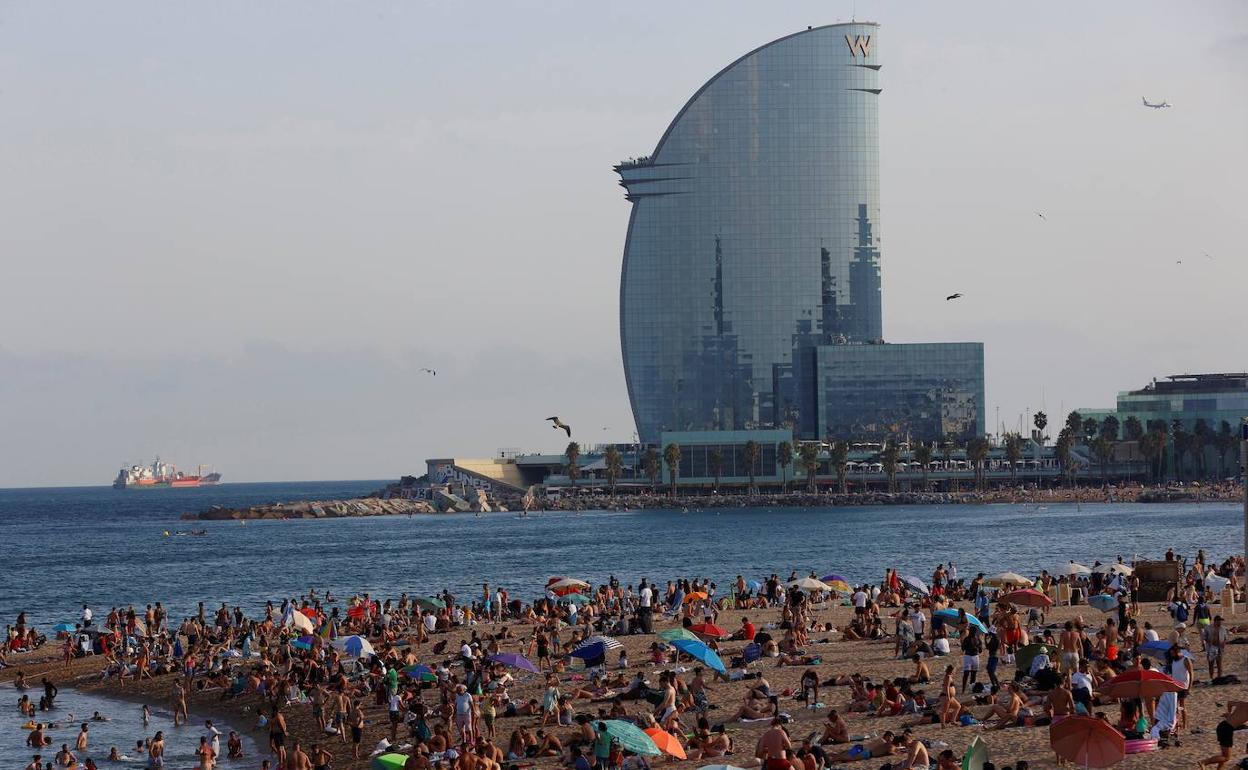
1042	216
557	424
952	296
1207	255
1178	261
431	371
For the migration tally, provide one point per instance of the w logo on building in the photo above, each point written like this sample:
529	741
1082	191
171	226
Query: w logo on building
860	45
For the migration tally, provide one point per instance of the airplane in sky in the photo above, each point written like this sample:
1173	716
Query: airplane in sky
1157	106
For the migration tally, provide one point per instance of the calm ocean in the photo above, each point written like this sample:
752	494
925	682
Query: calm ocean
62	547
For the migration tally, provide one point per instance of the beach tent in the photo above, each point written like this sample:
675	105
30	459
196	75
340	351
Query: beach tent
1088	742
700	651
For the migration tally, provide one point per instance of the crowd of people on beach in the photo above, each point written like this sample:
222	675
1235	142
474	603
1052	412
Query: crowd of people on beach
442	669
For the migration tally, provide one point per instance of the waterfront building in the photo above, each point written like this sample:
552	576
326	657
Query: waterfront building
750	295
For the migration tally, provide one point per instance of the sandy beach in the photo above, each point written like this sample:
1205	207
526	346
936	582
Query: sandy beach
872	659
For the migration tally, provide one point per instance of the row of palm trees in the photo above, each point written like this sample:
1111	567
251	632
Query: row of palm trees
1101	438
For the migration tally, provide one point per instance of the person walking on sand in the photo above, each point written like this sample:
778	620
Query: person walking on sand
1214	636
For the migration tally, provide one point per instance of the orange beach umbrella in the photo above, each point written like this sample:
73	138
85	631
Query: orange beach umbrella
1087	741
666	742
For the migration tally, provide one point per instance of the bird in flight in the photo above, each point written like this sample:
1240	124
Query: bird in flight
1159	105
1207	255
431	371
1178	261
952	296
557	424
1042	216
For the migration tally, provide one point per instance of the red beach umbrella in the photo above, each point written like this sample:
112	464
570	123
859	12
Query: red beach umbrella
1026	597
709	629
1144	683
1088	742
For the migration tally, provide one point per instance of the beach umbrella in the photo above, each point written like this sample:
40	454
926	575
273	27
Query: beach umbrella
834	578
1025	655
1072	568
700	651
810	584
950	616
1026	597
753	585
695	596
1103	602
420	673
303	643
914	584
390	761
1216	582
562	586
429	603
1159	648
709	629
1142	683
1121	569
672	634
666	742
630	736
976	755
301	622
355	646
1007	579
595	647
515	661
837	583
1088	742
575	599
64	628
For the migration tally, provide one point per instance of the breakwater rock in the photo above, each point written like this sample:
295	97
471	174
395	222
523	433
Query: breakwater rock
316	509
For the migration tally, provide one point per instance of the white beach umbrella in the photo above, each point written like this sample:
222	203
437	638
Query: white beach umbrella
810	584
567	582
1121	569
1072	568
1007	579
301	622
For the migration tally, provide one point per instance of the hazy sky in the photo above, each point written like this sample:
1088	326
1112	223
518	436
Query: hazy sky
233	232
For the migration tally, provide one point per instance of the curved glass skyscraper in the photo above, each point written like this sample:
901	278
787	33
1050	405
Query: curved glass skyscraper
754	236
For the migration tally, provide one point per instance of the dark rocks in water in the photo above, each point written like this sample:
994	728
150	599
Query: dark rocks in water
316	509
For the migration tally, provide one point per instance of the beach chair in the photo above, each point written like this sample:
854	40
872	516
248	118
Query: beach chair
751	653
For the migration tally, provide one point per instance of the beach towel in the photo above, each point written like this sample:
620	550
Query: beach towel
1165	714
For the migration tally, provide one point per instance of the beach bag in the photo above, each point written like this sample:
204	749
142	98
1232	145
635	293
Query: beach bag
422	730
1180	612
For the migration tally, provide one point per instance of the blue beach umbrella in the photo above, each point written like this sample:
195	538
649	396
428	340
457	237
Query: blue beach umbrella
701	652
355	646
302	643
63	628
754	585
1103	602
420	672
1159	648
950	616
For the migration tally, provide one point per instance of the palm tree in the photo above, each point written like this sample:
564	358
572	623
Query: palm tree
1062	450
671	456
1178	445
1074	423
1109	428
922	455
1151	445
1104	450
751	452
808	452
573	453
947	448
1013	453
614	464
1201	435
1132	428
977	453
840	461
1040	420
653	467
784	456
1224	441
1090	427
715	458
889	457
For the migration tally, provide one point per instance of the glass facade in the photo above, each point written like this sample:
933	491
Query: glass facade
1211	398
698	450
754	236
925	390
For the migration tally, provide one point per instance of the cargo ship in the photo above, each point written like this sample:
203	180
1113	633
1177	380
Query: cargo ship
162	474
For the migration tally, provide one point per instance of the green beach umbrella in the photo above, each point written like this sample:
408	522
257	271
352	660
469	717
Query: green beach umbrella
672	634
631	737
389	761
429	603
575	599
976	755
1025	655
